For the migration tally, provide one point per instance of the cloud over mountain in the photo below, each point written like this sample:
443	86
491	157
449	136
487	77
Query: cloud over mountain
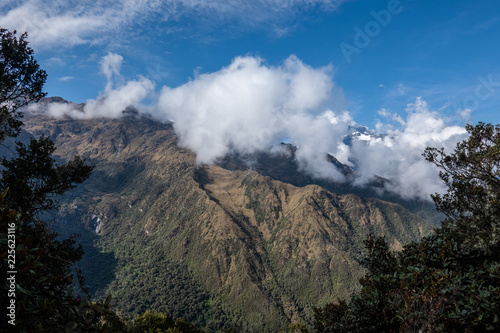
398	154
248	106
117	96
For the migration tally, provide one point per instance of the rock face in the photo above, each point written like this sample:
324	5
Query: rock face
218	246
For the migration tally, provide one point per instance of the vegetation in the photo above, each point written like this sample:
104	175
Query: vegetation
40	264
450	280
21	81
41	297
154	322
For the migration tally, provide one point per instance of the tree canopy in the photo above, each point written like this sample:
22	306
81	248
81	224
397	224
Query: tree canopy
450	280
21	81
39	264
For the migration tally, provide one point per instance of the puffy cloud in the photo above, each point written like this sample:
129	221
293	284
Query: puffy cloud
111	65
397	154
317	136
117	96
249	106
109	105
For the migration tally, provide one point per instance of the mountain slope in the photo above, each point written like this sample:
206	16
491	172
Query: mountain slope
216	246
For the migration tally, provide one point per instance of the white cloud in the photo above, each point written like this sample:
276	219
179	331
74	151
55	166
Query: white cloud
72	22
110	105
249	106
111	65
464	114
116	100
384	112
393	116
317	136
397	156
66	78
117	96
55	22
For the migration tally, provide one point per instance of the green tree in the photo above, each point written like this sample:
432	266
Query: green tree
40	286
36	181
472	175
21	81
450	280
157	322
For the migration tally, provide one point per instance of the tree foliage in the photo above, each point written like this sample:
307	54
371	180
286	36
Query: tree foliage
21	81
472	175
35	179
450	280
41	285
158	322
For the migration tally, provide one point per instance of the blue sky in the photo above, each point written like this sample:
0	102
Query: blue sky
438	50
246	74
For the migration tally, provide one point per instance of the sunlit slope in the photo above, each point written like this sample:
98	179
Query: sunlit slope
207	243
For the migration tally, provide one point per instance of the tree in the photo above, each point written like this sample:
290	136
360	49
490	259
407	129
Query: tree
36	181
157	322
450	280
472	175
39	264
21	81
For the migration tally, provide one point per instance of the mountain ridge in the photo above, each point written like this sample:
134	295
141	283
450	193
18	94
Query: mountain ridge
262	251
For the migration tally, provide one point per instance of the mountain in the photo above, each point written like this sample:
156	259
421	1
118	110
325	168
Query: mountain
255	247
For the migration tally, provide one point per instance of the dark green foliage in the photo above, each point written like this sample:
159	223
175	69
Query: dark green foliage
35	180
157	322
472	203
298	328
21	81
329	318
153	322
44	296
449	281
150	281
39	263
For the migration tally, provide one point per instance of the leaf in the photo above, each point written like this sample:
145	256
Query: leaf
107	301
22	290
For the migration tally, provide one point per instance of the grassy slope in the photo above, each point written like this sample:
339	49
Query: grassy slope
212	245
